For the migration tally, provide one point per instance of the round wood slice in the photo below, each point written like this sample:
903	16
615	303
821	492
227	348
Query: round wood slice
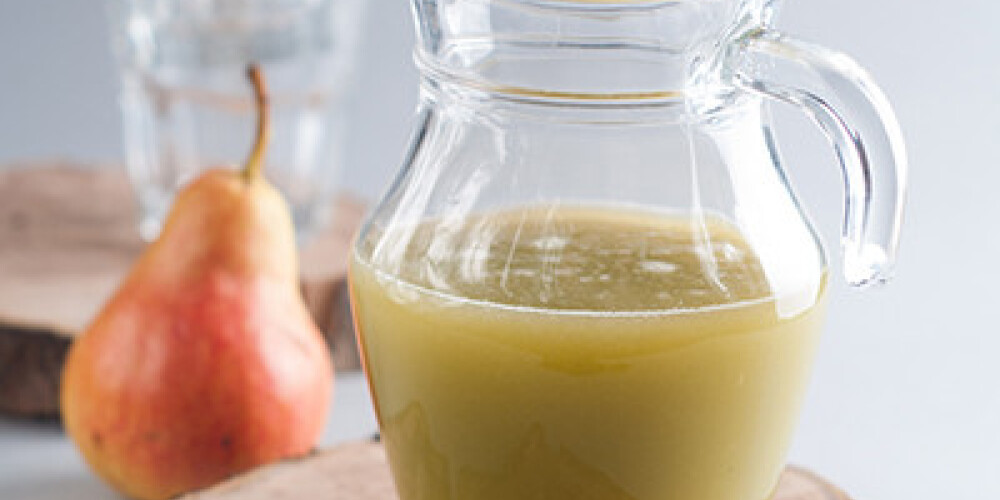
67	237
358	471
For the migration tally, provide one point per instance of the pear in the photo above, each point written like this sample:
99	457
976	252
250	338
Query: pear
205	362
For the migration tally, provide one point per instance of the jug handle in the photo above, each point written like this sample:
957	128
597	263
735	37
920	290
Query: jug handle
855	115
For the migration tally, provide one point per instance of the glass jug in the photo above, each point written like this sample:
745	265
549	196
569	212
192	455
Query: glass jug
590	279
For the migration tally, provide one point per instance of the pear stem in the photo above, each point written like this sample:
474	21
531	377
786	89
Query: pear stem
255	162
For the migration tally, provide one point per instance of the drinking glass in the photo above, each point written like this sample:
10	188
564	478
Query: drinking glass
186	105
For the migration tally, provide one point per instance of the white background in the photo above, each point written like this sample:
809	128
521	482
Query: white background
905	403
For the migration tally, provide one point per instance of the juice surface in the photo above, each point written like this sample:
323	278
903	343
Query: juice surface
579	353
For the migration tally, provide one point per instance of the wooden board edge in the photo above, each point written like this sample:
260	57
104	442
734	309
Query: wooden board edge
363	454
358	471
829	491
31	360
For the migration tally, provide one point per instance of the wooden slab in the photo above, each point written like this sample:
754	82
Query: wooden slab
358	471
68	235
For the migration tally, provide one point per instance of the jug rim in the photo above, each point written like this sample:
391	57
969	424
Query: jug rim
590	53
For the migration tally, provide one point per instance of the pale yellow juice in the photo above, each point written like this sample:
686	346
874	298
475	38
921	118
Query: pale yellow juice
579	353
